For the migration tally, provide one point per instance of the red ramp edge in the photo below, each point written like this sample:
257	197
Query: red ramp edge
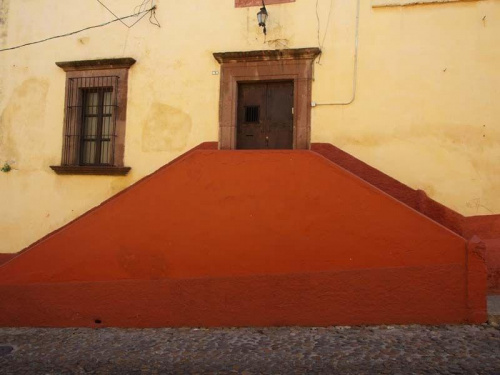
4	258
487	227
226	238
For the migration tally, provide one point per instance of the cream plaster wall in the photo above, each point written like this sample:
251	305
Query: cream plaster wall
426	108
395	3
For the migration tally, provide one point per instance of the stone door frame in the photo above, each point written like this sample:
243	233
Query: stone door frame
269	65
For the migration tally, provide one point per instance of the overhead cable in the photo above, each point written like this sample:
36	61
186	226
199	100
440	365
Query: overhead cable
355	69
152	8
87	28
321	44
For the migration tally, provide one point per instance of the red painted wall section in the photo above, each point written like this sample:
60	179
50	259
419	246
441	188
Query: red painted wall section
364	171
246	238
487	227
6	257
476	279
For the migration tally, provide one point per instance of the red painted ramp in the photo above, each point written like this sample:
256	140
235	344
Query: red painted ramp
247	238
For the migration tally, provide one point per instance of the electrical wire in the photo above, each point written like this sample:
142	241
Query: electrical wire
319	22
327	24
79	31
110	11
145	12
153	15
152	8
144	4
355	72
322	43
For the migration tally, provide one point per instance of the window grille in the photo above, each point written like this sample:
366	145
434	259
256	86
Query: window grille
90	129
252	114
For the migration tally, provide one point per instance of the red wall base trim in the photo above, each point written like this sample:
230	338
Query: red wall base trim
371	296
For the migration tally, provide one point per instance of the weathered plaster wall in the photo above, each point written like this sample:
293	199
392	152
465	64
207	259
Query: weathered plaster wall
424	112
4	16
394	3
4	12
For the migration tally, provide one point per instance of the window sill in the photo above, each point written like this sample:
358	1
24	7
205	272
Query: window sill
90	170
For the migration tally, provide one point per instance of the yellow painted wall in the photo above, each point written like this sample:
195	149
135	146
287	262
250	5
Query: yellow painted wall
426	110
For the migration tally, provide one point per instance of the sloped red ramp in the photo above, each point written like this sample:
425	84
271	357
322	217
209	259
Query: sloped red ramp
246	238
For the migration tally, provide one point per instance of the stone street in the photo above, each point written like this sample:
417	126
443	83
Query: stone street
334	350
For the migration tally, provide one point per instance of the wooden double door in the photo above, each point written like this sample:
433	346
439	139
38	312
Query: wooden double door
265	116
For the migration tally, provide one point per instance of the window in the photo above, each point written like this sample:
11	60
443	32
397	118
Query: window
94	117
97	135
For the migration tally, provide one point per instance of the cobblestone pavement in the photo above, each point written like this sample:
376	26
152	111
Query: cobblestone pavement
336	350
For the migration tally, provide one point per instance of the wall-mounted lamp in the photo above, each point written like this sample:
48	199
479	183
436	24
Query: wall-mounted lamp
262	17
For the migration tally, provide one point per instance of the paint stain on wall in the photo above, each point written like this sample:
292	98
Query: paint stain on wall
166	129
20	127
83	41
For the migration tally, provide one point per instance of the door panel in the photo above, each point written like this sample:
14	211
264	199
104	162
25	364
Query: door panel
265	118
280	116
251	112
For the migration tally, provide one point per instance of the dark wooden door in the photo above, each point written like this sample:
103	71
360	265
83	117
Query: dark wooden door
265	116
